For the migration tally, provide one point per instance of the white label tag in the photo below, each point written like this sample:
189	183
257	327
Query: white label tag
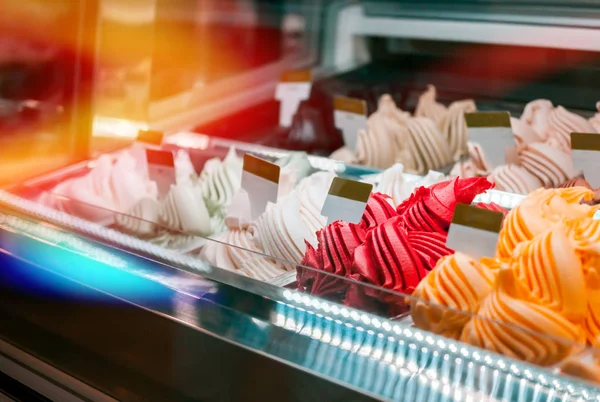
476	243
350	116
474	231
260	179
161	169
349	124
290	94
493	132
260	193
496	142
346	200
589	163
342	209
586	156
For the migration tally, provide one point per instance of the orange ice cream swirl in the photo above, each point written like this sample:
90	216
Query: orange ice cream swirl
508	322
585	234
549	268
538	212
592	319
457	282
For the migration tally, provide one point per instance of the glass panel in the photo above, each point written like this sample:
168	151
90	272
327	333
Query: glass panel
369	339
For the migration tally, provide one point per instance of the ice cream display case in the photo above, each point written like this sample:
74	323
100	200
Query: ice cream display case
148	272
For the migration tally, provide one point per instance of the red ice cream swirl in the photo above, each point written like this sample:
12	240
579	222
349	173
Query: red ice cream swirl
334	254
430	209
377	211
387	259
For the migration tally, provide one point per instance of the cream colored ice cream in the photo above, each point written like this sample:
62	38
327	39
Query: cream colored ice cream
184	169
141	219
279	232
183	215
394	184
294	167
236	250
282	229
219	181
111	186
183	209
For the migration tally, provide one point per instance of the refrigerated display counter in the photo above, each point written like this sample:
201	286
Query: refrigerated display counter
121	282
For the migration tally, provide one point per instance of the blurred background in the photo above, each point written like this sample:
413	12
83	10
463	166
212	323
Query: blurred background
79	77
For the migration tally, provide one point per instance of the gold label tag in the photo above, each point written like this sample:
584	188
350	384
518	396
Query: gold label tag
478	218
350	105
297	76
585	141
153	137
261	168
350	189
488	119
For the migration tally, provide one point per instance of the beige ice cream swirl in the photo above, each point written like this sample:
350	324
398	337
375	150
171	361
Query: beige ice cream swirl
454	126
551	164
422	146
562	123
536	115
514	179
524	133
282	229
476	166
595	120
427	106
376	147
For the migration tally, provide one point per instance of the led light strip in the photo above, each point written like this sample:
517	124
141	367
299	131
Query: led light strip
63	239
323	321
79	225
